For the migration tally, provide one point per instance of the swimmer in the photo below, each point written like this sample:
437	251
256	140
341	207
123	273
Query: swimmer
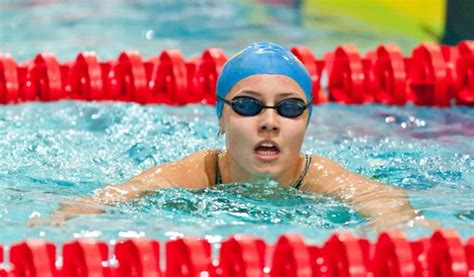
264	97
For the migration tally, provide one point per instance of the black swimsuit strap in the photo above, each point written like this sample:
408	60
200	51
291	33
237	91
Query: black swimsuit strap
218	172
299	182
296	185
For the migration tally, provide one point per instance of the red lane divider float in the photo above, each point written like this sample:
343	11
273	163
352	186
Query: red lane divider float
2	270
291	257
443	254
242	256
393	256
390	78
138	257
346	76
428	76
451	55
86	81
315	68
47	72
9	83
465	72
419	250
469	248
209	66
188	257
169	79
132	74
33	258
433	75
85	257
343	256
446	255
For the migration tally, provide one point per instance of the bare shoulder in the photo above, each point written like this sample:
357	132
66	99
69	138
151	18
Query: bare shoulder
193	171
329	177
323	167
321	164
322	173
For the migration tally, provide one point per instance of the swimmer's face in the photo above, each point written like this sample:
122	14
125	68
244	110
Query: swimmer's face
268	143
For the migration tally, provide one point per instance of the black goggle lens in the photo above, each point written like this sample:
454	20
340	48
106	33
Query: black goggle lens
248	106
291	108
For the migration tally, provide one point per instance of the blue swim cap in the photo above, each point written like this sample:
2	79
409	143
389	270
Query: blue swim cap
262	58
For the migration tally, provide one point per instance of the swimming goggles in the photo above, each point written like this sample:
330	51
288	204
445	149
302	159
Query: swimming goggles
249	106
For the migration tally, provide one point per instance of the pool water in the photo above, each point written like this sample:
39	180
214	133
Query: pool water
54	152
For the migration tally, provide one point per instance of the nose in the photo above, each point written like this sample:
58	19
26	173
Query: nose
269	121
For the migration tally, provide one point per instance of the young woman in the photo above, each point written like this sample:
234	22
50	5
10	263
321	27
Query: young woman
264	97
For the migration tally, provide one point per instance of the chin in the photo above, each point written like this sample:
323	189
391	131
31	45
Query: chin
267	171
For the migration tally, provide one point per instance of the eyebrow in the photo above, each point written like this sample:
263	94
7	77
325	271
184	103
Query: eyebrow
257	94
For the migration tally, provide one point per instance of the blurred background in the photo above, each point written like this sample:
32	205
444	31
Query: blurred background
109	27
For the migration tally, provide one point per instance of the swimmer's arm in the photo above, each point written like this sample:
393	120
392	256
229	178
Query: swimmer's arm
111	195
386	206
186	173
114	194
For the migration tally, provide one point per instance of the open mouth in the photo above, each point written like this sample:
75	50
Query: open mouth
267	150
